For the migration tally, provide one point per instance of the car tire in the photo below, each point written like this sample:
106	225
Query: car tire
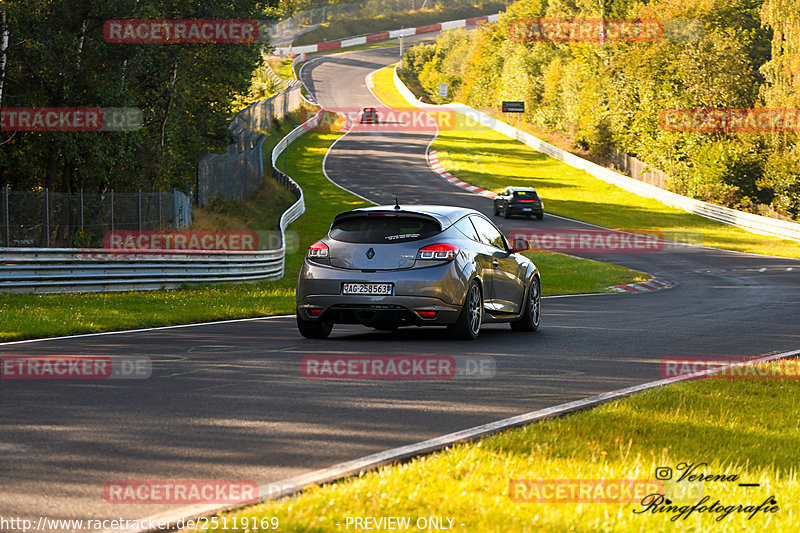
314	329
540	216
468	324
496	211
529	321
506	212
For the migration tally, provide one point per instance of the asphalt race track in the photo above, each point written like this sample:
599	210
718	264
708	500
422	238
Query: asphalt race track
227	401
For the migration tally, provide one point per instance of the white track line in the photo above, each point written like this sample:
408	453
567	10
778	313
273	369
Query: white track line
325	172
328	151
286	487
142	330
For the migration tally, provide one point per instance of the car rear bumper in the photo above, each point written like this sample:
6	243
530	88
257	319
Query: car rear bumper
387	312
517	209
438	289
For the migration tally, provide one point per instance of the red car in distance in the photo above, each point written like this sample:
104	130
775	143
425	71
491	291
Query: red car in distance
368	115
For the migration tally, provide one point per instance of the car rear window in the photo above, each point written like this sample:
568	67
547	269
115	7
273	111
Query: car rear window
384	229
525	194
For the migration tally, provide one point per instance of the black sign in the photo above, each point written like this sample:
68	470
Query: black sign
513	107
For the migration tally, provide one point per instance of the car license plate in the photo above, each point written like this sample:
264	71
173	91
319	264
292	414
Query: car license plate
526	208
378	289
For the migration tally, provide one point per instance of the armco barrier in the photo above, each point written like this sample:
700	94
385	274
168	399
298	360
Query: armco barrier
52	270
755	223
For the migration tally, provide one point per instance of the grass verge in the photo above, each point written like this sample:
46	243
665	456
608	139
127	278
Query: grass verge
721	423
480	156
566	274
282	67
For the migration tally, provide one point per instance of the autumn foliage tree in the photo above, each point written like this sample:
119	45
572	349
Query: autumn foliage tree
57	57
608	96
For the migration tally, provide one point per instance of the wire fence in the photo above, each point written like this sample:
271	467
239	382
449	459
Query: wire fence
239	172
44	219
638	169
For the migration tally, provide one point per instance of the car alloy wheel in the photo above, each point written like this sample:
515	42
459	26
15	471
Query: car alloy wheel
475	309
535	302
469	322
529	321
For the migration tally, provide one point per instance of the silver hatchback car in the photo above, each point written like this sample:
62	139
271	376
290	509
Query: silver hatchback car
390	266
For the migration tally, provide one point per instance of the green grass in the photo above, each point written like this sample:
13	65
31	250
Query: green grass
323	199
747	428
282	67
483	157
565	274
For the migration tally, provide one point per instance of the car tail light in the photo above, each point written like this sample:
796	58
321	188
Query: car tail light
427	314
527	201
318	251
441	252
315	311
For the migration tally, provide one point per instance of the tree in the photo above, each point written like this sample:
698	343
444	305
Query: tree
57	57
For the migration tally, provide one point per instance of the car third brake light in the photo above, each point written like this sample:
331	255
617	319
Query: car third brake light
441	252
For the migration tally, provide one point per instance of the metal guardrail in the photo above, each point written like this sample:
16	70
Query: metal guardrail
59	270
299	207
748	221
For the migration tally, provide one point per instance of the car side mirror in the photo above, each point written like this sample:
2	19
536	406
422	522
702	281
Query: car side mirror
519	246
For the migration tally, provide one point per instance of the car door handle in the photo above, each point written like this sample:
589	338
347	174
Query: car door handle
495	263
